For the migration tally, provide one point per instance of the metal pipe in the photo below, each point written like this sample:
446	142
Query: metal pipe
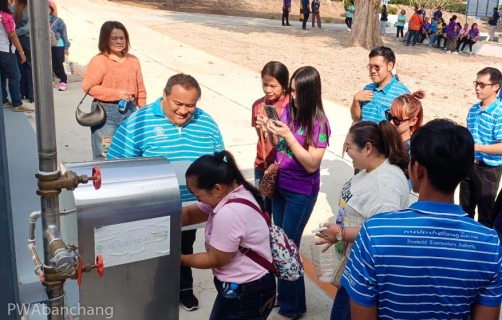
32	247
46	129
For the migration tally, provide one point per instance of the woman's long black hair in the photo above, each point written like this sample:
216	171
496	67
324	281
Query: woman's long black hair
220	168
308	107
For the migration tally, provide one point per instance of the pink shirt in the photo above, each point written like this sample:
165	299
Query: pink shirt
7	25
229	226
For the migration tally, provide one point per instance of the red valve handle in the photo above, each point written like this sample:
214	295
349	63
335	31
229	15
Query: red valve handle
79	271
100	265
96	177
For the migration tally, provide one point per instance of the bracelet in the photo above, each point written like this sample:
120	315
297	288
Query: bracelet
289	145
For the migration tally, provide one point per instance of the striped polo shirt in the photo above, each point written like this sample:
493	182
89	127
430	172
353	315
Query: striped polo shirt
374	110
148	133
430	261
486	129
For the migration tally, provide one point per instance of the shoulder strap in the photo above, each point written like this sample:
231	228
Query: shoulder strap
86	94
264	263
262	138
54	22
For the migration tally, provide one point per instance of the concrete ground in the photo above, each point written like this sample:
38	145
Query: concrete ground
228	91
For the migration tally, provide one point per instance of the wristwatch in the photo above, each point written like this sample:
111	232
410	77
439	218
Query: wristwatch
339	235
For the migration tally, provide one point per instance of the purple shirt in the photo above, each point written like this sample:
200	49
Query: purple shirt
292	175
450	30
287	4
473	33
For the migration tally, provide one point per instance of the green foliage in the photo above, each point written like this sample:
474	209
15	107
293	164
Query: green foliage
327	20
392	10
457	8
404	2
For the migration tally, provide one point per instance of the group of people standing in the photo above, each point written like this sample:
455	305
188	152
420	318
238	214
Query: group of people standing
15	49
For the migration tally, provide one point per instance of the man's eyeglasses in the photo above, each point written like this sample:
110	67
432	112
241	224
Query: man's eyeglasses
373	66
396	120
482	85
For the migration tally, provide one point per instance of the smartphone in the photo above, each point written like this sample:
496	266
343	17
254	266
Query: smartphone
320	229
271	112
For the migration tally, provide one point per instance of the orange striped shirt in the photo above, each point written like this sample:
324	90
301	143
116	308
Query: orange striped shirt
110	77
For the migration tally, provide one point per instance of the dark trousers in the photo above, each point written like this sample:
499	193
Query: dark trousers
439	41
26	86
412	34
399	30
470	43
285	16
57	63
480	189
348	22
186	279
306	14
461	41
422	37
255	302
341	306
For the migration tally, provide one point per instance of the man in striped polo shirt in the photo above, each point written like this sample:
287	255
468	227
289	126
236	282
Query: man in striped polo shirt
484	121
430	261
371	103
172	127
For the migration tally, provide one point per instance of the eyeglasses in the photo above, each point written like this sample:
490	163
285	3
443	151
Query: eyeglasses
117	38
396	120
482	85
373	66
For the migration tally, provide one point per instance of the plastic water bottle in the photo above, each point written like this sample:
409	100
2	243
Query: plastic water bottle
230	291
323	263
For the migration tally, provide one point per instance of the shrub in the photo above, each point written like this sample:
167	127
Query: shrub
328	20
392	10
457	8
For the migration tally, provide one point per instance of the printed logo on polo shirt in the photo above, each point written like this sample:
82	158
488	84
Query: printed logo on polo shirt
159	131
323	137
301	132
282	146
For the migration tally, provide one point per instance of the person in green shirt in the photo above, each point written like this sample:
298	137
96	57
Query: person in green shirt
350	15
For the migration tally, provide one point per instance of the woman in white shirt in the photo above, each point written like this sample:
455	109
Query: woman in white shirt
380	186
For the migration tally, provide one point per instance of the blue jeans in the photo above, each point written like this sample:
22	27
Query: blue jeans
255	302
292	212
432	39
258	176
413	34
341	306
10	70
101	135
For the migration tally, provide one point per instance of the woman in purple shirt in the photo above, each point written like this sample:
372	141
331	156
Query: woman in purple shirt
472	37
301	136
451	35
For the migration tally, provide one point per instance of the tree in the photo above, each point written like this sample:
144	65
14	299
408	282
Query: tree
366	26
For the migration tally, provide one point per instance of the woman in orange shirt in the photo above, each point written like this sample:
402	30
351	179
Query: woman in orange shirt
113	75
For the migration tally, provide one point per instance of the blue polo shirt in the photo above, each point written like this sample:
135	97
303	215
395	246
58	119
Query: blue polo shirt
374	110
148	133
430	261
486	129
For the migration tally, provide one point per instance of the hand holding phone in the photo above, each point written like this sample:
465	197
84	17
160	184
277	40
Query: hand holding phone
271	112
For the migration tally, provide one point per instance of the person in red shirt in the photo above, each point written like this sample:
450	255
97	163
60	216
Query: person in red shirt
415	23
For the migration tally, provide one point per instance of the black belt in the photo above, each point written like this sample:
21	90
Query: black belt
111	102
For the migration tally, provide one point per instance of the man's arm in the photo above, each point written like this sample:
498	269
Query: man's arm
355	110
480	312
489	149
358	312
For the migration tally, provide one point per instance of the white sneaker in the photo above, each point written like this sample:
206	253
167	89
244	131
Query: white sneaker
470	53
348	29
62	86
455	52
448	52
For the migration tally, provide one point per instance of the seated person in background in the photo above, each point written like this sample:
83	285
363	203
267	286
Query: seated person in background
472	38
441	36
430	261
463	36
425	30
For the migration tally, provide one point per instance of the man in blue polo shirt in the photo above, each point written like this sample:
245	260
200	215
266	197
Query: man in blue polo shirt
371	103
172	127
484	121
430	261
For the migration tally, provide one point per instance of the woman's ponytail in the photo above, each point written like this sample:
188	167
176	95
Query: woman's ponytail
394	148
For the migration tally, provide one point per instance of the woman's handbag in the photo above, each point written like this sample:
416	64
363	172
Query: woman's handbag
337	275
94	118
268	183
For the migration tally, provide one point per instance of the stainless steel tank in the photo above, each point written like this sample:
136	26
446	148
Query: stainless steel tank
134	222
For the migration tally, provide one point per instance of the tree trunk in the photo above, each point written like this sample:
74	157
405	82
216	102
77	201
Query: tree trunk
366	25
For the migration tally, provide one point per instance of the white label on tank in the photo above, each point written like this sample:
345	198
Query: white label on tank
133	241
